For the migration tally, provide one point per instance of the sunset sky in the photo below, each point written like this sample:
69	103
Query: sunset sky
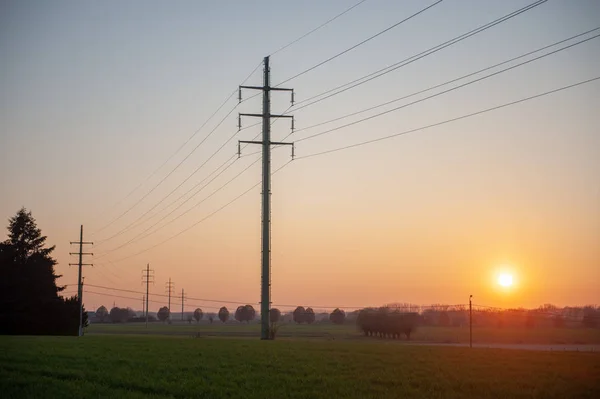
95	96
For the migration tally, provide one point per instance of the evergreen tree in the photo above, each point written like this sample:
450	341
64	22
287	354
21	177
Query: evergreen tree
29	297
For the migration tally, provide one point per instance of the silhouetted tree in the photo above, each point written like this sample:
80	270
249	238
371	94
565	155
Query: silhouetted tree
309	316
274	318
29	297
223	314
274	315
102	313
299	315
245	313
238	313
163	313
337	316
198	315
72	304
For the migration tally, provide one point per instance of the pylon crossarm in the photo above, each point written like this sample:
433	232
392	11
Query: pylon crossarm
252	87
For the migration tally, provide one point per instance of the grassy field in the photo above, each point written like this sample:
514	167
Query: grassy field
132	366
548	336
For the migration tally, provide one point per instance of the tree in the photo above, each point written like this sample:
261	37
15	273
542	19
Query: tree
29	297
102	313
239	314
245	313
299	314
198	315
337	316
189	318
309	316
274	315
274	318
72	304
250	313
223	314
163	314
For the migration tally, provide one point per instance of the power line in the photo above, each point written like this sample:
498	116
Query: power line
361	43
151	175
176	152
218	109
201	220
409	60
447	82
117	296
174	169
139	222
442	92
176	200
134	239
166	296
135	222
451	120
318	27
183	182
231	302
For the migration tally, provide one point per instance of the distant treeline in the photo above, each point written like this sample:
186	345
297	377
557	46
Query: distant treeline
433	315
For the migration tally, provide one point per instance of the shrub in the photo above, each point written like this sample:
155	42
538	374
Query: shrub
387	324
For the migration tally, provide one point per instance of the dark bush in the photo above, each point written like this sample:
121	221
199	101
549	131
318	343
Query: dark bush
385	323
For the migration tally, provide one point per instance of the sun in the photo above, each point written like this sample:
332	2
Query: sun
505	280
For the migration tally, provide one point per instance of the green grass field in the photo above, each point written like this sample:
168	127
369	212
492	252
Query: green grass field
133	366
489	335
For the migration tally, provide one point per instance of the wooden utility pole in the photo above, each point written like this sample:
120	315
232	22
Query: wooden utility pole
80	278
182	300
147	277
470	321
169	289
